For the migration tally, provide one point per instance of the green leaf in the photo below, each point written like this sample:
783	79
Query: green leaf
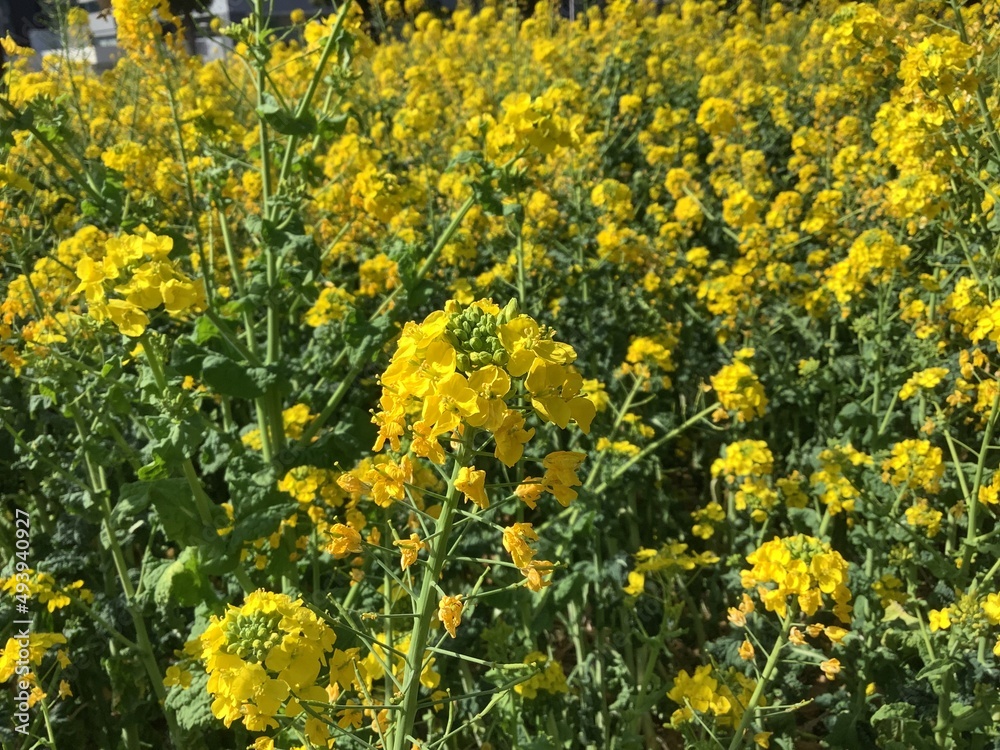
935	669
895	611
285	122
330	127
893	711
258	506
968	718
204	330
174	504
181	581
133	499
156	469
230	378
364	339
192	705
215	452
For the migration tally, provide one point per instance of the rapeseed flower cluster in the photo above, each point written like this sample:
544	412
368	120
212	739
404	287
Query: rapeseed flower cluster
549	678
914	464
456	370
262	658
801	566
140	270
709	693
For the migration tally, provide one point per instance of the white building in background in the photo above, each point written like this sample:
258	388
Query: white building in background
101	50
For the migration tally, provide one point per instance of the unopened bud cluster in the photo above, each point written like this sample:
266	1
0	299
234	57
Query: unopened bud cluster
251	637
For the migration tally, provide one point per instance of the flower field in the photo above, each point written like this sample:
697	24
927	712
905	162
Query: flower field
428	381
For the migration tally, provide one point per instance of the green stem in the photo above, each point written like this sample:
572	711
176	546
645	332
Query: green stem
765	677
426	603
522	297
973	498
272	406
244	580
260	406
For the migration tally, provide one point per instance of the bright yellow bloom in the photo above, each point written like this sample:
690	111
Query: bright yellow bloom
524	342
803	567
516	540
258	654
131	320
344	540
551	678
472	483
939	619
409	549
739	390
915	464
921	381
175	675
450	613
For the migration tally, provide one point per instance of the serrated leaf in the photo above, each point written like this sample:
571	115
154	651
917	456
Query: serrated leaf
192	705
364	339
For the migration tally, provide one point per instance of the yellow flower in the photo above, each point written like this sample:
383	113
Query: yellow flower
472	482
510	438
833	479
177	676
523	341
746	651
409	549
450	613
835	633
344	540
923	380
939	619
739	390
991	608
831	668
257	655
704	693
636	583
560	474
744	458
131	321
915	464
13	49
450	401
803	567
549	678
516	540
